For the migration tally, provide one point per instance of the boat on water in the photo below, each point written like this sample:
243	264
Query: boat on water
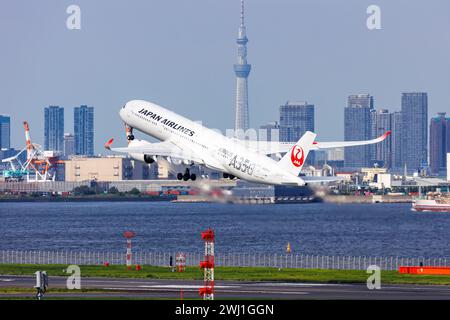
435	202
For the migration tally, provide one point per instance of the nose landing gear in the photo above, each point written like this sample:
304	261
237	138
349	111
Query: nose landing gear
129	132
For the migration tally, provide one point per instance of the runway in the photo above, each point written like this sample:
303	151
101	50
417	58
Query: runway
187	289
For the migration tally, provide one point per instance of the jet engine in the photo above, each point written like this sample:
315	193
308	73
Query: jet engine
142	157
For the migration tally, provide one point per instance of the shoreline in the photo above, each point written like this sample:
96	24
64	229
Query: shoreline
89	199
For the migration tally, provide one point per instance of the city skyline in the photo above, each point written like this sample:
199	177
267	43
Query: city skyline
290	62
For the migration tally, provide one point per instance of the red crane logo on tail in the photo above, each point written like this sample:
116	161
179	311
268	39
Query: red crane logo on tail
297	156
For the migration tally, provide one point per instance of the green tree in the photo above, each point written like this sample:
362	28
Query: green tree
113	190
135	191
83	191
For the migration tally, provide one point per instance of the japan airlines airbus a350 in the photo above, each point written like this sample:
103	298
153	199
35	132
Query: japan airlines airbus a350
193	143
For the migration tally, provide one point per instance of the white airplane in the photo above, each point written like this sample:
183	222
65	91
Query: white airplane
191	143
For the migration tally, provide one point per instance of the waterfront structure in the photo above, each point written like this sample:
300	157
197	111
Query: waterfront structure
414	134
114	168
54	128
8	153
358	126
242	70
296	118
84	130
69	145
381	123
439	142
5	132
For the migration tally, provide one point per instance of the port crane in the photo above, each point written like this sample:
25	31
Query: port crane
39	165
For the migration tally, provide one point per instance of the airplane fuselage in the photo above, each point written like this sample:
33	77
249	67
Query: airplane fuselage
217	151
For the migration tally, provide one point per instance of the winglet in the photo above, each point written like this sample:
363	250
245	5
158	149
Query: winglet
109	144
385	135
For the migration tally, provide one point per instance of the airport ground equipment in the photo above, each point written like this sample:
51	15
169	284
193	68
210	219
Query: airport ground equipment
129	235
41	284
207	291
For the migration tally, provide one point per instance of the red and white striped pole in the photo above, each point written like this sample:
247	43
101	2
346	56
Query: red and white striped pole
28	139
128	235
208	265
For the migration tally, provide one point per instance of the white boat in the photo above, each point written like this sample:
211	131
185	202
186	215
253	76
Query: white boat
435	202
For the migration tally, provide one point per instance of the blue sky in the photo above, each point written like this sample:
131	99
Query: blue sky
180	54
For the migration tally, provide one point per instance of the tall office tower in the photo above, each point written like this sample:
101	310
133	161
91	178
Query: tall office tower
242	70
84	130
5	132
295	119
69	144
382	152
439	142
414	130
54	128
396	141
358	126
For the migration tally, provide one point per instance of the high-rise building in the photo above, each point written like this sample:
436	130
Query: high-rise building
358	126
448	166
439	142
69	144
414	133
396	141
54	128
242	70
84	130
295	119
5	132
269	132
382	152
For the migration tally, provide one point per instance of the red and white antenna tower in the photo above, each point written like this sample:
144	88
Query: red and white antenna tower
208	265
129	235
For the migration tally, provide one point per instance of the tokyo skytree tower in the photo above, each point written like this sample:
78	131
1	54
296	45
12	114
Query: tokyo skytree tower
242	70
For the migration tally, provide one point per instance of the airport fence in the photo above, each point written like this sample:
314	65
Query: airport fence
221	259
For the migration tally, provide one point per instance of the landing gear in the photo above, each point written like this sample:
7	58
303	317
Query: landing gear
129	132
228	176
186	176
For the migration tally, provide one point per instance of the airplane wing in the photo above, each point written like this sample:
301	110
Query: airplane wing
341	144
273	147
309	179
164	149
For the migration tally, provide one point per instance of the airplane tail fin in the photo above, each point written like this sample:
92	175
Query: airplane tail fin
294	159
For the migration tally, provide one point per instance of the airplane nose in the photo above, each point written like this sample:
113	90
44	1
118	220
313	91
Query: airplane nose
122	112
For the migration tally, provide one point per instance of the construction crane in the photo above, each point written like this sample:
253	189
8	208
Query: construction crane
39	165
